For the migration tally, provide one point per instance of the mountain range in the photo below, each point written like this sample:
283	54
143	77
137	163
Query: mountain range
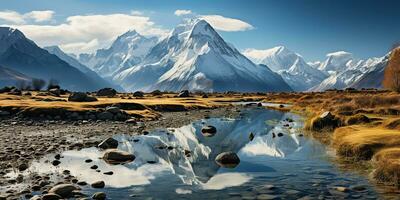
339	70
23	56
193	56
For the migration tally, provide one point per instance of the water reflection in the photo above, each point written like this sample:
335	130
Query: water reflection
180	161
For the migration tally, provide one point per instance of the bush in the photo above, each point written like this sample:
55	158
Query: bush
38	84
53	84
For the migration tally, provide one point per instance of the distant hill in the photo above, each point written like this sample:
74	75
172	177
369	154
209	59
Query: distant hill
20	54
9	77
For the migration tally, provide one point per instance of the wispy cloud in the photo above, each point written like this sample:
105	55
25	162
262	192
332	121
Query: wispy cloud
227	24
40	16
219	22
18	18
86	33
182	12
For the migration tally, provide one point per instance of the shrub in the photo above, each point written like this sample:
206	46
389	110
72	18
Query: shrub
38	84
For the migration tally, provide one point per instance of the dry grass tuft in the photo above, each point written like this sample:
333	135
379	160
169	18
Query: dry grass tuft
362	142
387	164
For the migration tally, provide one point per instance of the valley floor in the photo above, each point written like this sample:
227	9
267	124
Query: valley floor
363	125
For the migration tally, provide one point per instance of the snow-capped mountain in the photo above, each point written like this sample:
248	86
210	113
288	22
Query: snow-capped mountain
291	66
127	50
277	58
20	54
195	57
55	50
353	73
337	61
374	76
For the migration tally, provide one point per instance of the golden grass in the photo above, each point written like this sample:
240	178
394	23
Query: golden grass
146	107
362	142
387	163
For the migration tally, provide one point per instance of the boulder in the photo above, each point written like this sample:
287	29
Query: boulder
208	131
4	113
115	156
138	94
113	109
156	93
109	143
6	89
81	97
55	92
98	184
51	196
23	167
105	116
184	93
108	92
358	119
15	91
227	159
326	121
64	190
99	196
131	121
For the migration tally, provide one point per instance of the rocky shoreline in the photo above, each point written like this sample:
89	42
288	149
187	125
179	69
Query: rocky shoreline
23	141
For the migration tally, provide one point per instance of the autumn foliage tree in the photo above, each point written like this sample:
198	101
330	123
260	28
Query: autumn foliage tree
391	79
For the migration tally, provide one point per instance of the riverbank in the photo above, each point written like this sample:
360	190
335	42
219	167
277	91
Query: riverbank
24	141
359	125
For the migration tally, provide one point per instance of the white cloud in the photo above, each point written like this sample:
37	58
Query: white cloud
40	16
182	12
136	12
86	33
12	16
226	24
18	18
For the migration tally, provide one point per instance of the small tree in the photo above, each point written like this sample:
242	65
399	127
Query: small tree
22	84
53	83
391	79
38	84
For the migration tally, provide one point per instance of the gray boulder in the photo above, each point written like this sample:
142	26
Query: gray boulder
208	131
115	156
227	159
113	109
81	97
64	190
184	93
105	116
108	92
138	94
99	196
109	143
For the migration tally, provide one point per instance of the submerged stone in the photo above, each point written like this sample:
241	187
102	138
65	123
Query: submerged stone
227	159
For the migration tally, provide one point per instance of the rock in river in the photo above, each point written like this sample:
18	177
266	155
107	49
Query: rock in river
64	190
99	196
109	143
208	131
227	159
115	156
51	196
98	184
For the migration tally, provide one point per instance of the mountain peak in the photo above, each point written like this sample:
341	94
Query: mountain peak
10	32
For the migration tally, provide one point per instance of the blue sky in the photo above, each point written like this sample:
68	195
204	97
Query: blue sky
311	28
